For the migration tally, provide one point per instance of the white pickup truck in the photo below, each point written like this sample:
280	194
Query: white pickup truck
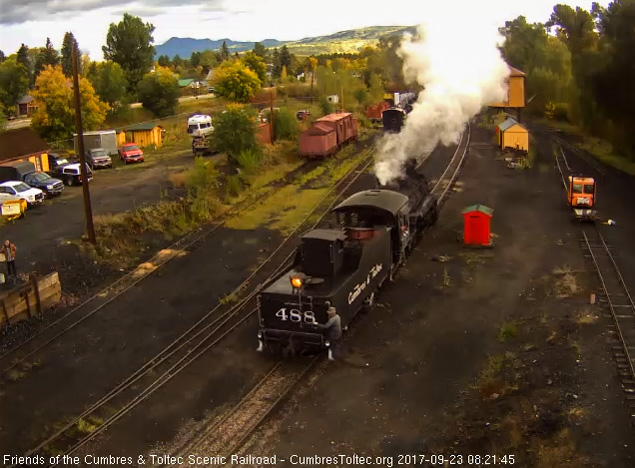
14	190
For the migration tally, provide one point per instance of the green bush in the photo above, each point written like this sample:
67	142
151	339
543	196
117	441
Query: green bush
202	179
234	185
249	160
285	125
326	107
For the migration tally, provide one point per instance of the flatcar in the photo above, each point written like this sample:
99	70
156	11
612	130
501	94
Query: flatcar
393	119
344	267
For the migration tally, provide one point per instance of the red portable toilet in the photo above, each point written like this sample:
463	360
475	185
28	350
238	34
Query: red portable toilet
476	225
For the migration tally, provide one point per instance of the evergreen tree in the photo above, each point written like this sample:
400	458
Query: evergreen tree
260	50
224	51
50	56
2	57
23	56
164	61
67	54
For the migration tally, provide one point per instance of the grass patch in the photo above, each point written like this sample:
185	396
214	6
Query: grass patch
508	331
566	286
500	375
447	281
586	317
89	425
283	211
598	148
475	258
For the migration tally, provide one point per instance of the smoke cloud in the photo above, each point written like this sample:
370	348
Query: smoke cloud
461	68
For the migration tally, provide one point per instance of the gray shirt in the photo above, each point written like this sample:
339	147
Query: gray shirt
334	327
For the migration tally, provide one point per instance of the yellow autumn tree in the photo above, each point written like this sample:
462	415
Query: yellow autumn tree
55	118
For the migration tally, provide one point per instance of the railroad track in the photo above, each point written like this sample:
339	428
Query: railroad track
588	160
228	434
451	172
110	293
202	336
614	296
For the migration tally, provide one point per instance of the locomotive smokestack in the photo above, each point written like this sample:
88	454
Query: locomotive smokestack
460	77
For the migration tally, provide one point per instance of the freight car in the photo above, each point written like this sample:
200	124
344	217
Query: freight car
328	134
344	267
393	119
374	113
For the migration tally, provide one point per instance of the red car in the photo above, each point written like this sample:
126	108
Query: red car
130	152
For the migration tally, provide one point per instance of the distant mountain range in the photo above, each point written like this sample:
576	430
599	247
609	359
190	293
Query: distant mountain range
343	41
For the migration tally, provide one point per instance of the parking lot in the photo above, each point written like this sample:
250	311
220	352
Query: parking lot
61	218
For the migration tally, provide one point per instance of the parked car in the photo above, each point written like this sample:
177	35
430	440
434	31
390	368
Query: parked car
15	190
41	180
98	157
16	170
70	174
303	114
130	152
56	159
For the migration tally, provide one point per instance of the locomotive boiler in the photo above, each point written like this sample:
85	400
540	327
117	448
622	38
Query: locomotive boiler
344	267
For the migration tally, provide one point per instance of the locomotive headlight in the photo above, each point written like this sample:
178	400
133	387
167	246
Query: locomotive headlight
296	282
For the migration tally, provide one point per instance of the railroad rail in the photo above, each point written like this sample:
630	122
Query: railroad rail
110	293
589	161
223	325
455	163
614	295
228	434
617	298
198	339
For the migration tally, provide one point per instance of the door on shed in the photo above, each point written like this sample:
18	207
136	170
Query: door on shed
474	228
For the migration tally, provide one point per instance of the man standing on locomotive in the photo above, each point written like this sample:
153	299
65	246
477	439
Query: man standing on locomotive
333	329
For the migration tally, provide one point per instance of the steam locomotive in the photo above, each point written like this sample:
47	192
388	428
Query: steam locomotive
345	267
393	119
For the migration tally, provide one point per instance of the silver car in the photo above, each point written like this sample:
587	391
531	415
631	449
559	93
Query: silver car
98	157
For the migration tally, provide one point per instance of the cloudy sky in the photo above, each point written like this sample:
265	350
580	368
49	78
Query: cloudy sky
32	21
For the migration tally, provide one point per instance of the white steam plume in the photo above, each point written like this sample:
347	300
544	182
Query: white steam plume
461	68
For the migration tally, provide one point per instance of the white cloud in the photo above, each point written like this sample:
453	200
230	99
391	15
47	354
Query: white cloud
248	20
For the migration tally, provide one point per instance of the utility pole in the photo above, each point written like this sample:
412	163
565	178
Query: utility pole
271	116
82	158
312	74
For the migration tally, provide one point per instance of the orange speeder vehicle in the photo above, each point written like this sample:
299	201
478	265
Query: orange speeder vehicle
582	197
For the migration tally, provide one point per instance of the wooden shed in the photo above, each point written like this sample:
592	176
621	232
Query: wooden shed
145	134
25	106
513	135
121	136
24	144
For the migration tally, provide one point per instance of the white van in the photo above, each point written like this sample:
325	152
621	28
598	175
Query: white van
199	125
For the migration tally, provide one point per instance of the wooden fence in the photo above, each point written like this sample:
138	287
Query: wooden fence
30	299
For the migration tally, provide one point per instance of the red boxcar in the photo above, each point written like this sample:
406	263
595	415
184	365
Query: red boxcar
318	141
374	112
328	134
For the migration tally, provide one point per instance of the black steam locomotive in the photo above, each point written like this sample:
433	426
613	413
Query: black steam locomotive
393	119
345	267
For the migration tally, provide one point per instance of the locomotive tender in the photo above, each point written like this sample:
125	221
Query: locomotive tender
393	119
345	267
